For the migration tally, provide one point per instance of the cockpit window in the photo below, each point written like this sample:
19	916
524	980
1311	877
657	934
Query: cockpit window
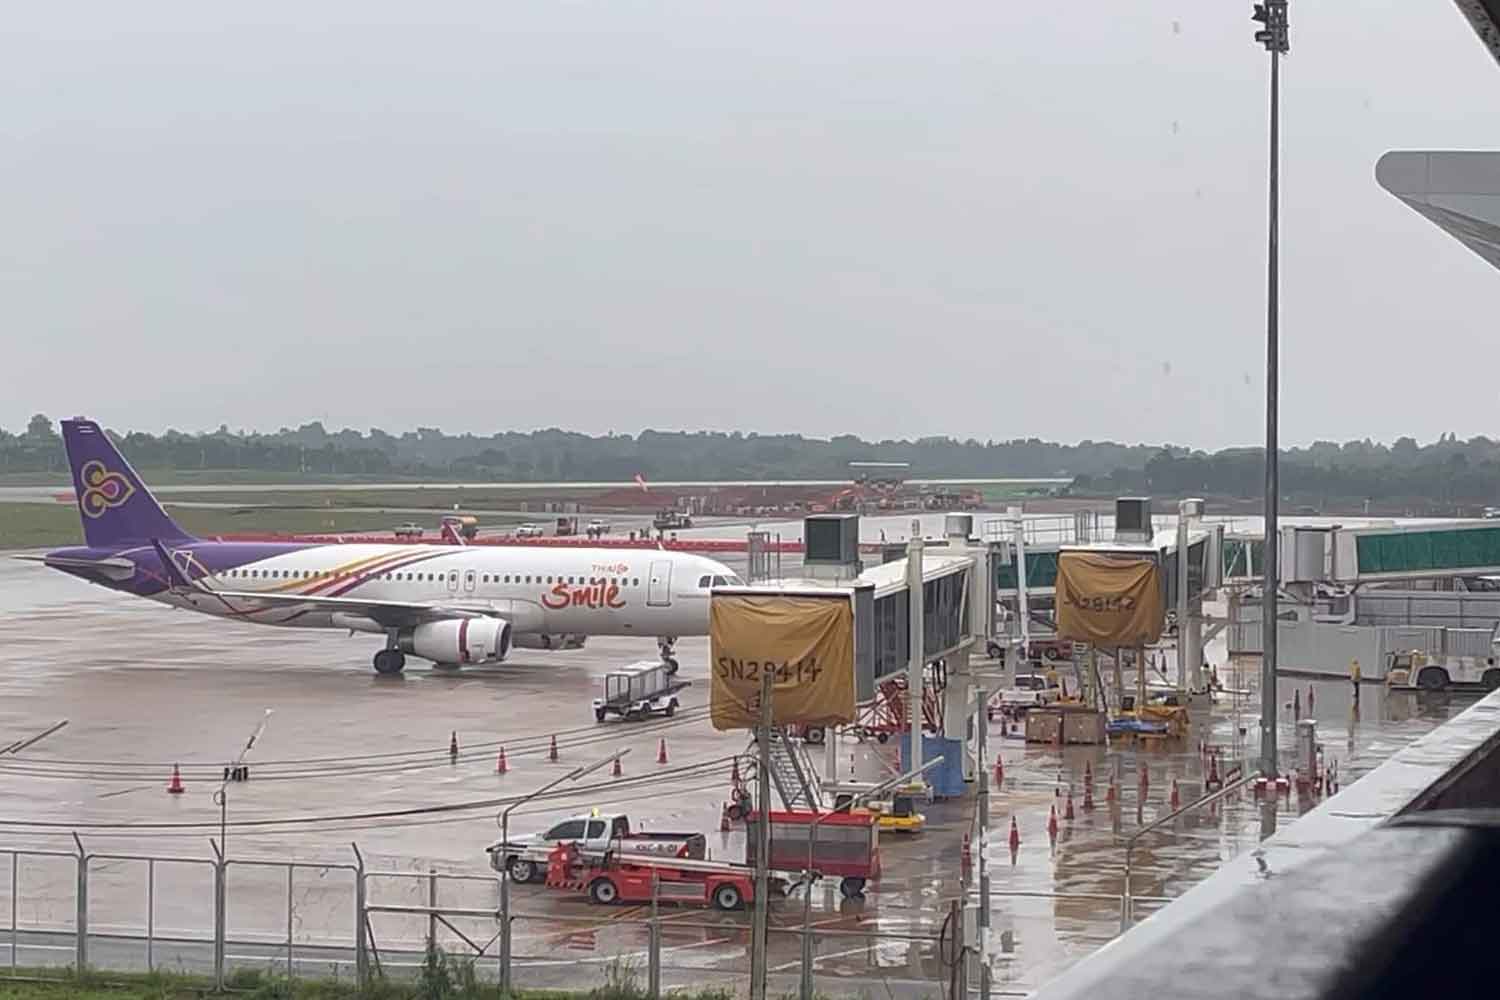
703	582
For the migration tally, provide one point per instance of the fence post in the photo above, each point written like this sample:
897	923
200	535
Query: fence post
361	953
432	909
505	934
220	878
290	967
81	944
150	914
805	989
653	975
15	874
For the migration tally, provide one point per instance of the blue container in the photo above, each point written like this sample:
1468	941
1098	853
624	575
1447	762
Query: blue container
947	779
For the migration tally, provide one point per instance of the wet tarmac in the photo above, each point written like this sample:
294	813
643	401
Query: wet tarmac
349	757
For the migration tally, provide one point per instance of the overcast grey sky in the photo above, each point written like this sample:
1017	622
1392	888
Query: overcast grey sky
760	216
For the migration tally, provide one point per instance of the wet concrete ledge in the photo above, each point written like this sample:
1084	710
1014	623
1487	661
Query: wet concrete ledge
1280	920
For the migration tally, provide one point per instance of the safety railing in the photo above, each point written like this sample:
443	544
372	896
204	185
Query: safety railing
112	911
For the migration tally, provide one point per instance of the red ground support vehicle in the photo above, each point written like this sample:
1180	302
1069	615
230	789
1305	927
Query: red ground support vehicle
845	846
1051	649
608	877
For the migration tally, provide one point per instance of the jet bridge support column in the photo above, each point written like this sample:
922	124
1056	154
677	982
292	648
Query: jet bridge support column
917	650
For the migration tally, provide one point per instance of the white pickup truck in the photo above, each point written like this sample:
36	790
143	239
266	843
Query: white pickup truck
1029	691
526	857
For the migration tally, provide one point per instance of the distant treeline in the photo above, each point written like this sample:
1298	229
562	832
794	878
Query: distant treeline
1447	470
562	456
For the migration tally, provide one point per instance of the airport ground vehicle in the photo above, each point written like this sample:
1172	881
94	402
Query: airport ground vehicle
671	520
409	530
1029	691
845	846
1051	650
465	526
597	527
896	813
1436	672
528	530
526	857
638	690
613	877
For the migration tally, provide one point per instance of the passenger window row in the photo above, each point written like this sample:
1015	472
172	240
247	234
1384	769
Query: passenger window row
293	574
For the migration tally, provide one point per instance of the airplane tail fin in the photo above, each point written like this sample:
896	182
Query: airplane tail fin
113	503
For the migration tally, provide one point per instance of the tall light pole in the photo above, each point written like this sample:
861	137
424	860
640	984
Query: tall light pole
1274	36
806	986
505	846
221	797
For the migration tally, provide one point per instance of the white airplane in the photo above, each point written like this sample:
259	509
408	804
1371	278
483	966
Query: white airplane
451	604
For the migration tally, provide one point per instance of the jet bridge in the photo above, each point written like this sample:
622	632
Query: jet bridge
927	607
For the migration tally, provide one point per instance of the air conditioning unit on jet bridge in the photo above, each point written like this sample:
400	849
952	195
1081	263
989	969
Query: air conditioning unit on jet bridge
831	546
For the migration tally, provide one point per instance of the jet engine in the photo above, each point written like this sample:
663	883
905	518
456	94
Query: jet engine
459	640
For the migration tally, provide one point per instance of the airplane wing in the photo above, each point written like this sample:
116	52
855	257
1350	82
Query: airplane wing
388	614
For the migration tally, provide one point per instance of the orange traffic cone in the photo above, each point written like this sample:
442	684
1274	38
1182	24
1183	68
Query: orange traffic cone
174	786
1052	822
1145	781
1088	797
1176	799
1068	809
999	771
453	746
617	769
661	751
500	765
1015	835
552	750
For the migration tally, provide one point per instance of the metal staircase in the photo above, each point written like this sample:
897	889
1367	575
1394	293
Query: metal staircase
793	774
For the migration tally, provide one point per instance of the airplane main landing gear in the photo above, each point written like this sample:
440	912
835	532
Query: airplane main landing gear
390	660
665	645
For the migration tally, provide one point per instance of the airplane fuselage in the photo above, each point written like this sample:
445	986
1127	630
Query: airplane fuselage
537	589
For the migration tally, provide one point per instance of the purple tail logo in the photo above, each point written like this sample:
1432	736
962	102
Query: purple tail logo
115	507
102	489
